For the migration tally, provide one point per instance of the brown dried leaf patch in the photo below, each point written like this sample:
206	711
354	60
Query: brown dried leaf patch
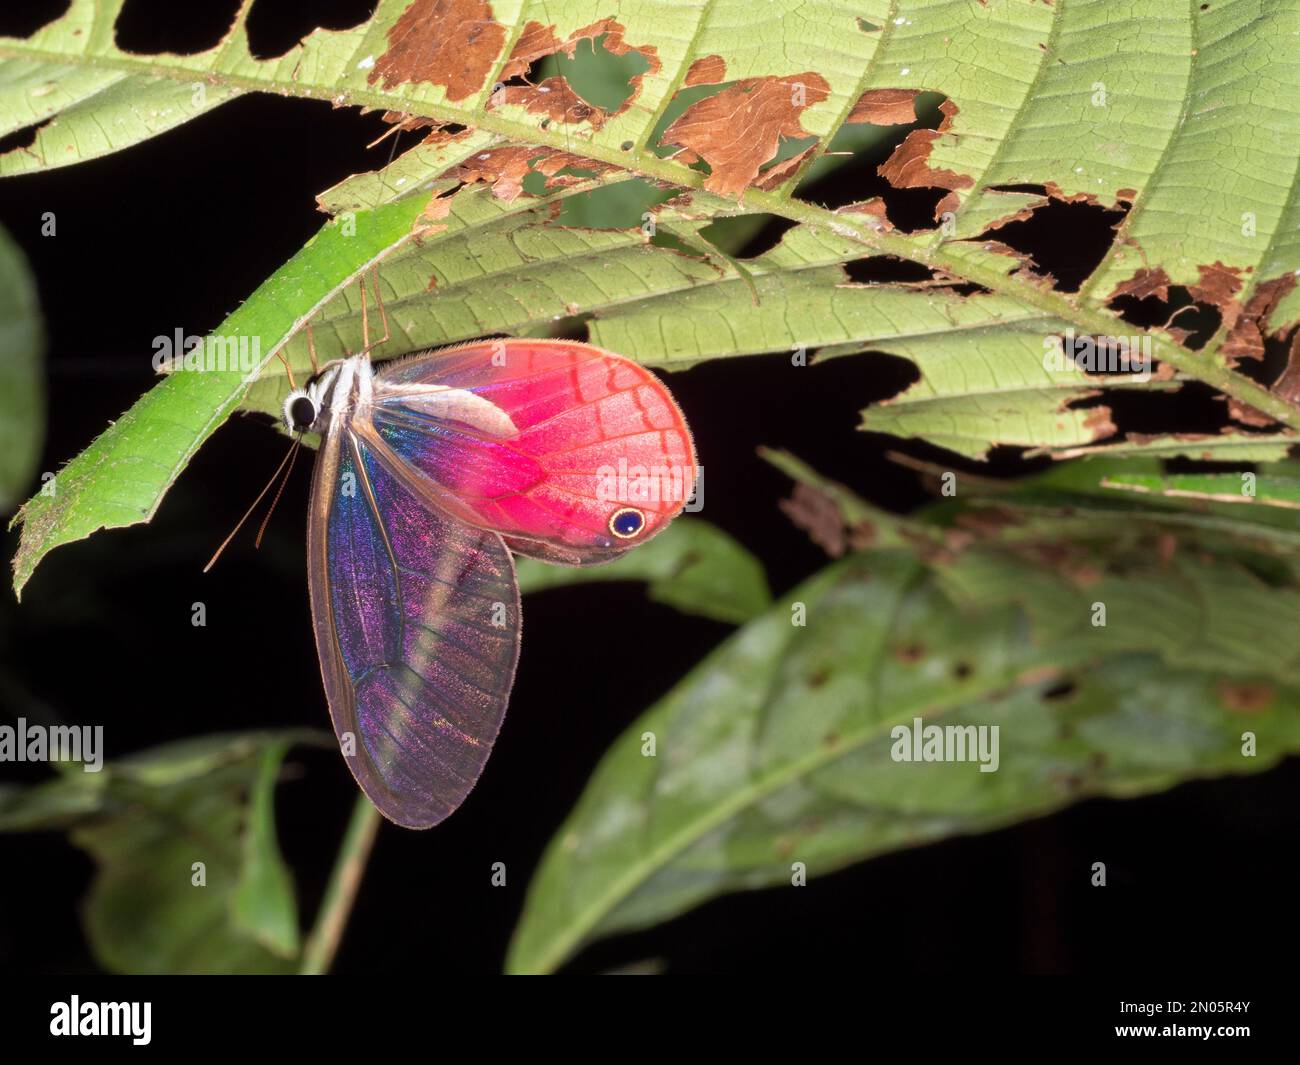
740	128
452	43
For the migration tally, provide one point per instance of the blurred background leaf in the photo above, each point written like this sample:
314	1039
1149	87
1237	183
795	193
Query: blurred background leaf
691	566
147	821
776	749
264	903
22	343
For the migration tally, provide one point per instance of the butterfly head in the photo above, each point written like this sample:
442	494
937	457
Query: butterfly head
300	411
305	409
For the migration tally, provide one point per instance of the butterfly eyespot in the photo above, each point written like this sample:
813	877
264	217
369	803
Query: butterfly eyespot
626	523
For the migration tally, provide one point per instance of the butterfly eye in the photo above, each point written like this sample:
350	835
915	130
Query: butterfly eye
302	413
626	523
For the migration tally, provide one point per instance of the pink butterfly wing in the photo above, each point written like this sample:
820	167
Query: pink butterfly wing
550	443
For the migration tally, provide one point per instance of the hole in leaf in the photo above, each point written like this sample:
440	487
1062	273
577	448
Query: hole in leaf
1277	356
149	27
1197	320
848	171
962	670
884	269
747	236
274	28
787	148
889	269
535	182
569	327
21	138
586	86
622	205
1033	190
969	288
22	20
1156	413
740	133
1065	240
596	74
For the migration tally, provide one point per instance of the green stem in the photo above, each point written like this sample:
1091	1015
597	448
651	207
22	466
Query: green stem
341	892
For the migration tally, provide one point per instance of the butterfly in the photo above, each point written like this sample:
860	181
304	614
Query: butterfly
431	471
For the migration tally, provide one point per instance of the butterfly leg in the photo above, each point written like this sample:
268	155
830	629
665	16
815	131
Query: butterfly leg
366	345
293	387
379	302
311	351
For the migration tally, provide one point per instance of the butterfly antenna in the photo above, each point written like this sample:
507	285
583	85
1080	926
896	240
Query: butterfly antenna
293	454
287	460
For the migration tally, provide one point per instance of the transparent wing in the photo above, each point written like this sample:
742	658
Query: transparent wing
417	626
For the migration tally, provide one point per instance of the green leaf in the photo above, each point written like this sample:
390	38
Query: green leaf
121	478
55	804
83	113
1251	447
264	903
691	566
189	879
1056	97
1220	487
22	343
1074	499
1060	98
777	748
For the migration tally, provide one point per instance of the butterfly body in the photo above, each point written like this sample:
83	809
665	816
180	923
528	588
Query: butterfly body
431	471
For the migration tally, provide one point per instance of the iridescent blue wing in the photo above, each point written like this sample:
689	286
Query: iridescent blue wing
417	625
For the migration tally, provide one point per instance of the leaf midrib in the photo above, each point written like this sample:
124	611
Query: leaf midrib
1199	364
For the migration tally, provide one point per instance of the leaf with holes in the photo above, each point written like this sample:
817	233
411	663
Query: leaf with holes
1079	203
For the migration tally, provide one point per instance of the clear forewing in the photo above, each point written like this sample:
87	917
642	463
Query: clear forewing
543	441
417	625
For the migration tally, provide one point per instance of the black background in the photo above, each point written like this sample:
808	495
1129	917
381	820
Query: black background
175	233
